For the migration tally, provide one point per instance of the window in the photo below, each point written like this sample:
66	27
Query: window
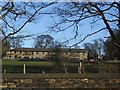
25	52
12	52
32	53
48	53
66	53
9	52
84	54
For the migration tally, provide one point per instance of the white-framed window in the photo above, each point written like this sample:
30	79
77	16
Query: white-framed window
9	52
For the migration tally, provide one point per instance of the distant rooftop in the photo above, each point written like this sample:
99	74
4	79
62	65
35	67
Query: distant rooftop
48	49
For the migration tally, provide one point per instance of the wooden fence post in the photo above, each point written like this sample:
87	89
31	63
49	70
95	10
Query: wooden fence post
24	71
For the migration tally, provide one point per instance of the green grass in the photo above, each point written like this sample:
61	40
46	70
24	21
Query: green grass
16	66
29	63
33	63
36	66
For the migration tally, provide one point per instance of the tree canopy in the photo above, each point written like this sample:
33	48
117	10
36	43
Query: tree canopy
5	47
111	50
44	41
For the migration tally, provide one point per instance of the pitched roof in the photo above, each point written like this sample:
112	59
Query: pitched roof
48	49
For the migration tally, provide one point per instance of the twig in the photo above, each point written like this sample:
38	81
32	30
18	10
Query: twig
87	37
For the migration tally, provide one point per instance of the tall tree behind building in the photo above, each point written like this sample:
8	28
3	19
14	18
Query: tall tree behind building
95	49
44	41
111	50
5	47
17	41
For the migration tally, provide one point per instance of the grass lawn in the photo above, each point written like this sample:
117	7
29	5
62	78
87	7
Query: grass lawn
16	66
33	63
29	63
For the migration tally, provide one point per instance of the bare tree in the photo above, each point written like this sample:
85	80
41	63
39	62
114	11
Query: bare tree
111	51
6	46
92	49
17	41
99	46
73	13
95	49
15	15
44	41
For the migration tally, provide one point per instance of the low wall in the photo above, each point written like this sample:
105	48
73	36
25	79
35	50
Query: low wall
66	81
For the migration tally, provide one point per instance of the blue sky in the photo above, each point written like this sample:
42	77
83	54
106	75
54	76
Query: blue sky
41	27
42	23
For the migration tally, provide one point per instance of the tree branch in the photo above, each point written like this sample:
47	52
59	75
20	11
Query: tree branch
29	19
106	23
8	10
87	37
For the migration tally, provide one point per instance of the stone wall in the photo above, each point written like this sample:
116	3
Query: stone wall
63	83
